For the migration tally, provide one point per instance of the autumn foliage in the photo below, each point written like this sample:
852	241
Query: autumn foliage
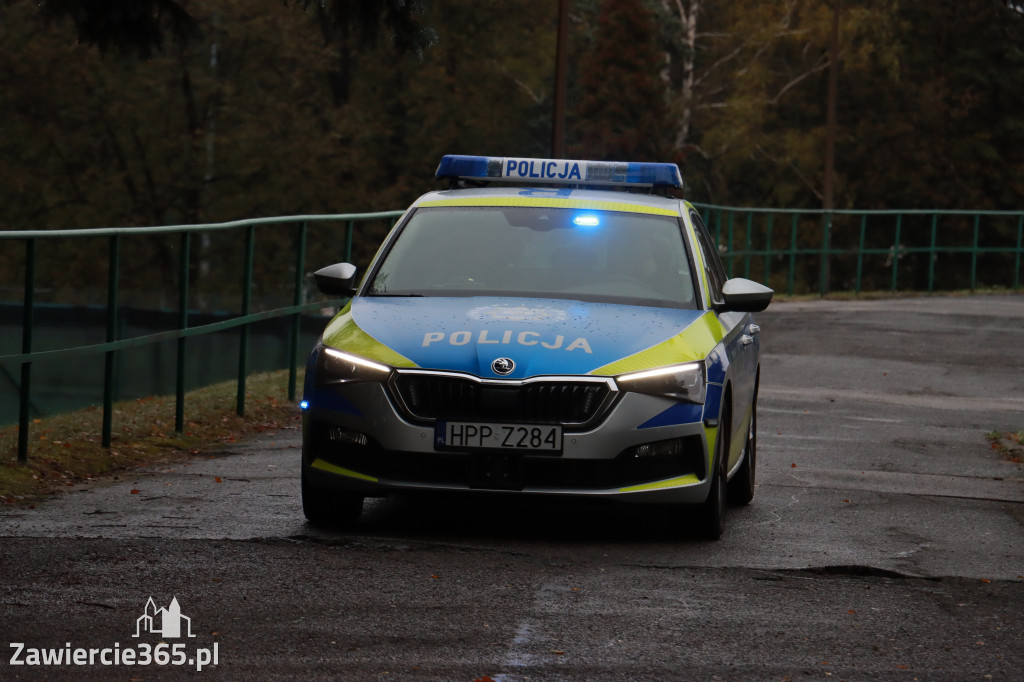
266	108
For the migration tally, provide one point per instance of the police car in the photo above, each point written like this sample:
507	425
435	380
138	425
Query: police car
541	327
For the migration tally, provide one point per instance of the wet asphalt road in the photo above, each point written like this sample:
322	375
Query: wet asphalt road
885	541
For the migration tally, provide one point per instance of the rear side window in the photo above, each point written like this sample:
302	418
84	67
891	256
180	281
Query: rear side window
712	263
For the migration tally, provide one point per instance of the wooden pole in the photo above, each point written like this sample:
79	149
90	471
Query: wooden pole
561	67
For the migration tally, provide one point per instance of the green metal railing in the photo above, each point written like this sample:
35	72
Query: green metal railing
816	251
112	346
796	251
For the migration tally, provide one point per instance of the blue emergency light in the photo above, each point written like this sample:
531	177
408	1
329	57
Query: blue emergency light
559	171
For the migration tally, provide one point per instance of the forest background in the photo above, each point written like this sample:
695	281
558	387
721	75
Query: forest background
231	109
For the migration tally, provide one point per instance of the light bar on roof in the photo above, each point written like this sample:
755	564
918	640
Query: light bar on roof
559	171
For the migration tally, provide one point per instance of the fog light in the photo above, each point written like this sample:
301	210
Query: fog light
662	448
664	459
336	434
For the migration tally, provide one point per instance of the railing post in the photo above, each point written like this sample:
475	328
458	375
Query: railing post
768	251
293	344
749	244
932	253
974	252
113	266
792	255
729	249
826	245
243	346
1020	248
896	251
349	228
28	321
860	252
183	296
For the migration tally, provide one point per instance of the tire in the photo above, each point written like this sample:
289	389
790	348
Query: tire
741	487
711	515
329	508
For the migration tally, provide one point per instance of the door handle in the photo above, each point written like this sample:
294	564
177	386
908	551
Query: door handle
746	340
754	329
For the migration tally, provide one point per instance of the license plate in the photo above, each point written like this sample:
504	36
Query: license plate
482	436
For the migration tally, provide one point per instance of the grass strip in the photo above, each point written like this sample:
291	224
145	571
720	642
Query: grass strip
65	450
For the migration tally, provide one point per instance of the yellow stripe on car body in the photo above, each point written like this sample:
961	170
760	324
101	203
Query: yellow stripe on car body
550	202
689	479
343	332
333	469
690	345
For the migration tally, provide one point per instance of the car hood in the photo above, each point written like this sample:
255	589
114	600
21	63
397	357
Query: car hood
540	336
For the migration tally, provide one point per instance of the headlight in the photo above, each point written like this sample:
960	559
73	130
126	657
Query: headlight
336	367
680	382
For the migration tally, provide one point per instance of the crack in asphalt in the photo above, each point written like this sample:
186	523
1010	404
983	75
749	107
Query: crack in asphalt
825	571
928	401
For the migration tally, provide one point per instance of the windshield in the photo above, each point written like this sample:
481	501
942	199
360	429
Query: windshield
601	256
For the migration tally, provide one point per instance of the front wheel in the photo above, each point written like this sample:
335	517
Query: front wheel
711	515
741	487
324	507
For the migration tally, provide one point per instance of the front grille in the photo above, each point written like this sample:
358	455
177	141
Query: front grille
430	397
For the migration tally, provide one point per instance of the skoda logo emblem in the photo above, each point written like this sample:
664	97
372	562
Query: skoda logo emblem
503	366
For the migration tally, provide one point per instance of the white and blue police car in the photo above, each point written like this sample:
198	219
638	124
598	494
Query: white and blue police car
542	327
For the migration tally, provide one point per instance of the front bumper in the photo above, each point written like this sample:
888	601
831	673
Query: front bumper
356	440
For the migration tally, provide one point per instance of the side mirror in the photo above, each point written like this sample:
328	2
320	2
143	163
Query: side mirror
336	280
744	296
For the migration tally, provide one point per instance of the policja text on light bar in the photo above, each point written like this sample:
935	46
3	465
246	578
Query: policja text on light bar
560	171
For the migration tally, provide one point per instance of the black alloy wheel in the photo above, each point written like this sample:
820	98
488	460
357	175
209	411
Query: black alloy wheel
329	508
741	487
711	515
